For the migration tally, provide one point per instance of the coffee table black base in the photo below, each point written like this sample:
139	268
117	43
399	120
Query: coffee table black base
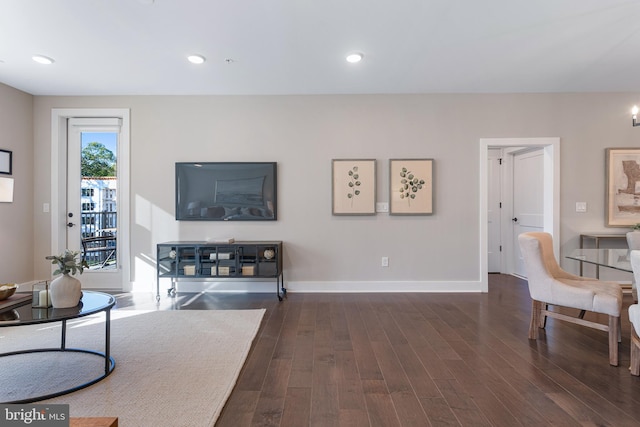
91	303
110	365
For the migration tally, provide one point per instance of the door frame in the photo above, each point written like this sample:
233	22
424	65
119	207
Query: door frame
500	177
551	202
59	118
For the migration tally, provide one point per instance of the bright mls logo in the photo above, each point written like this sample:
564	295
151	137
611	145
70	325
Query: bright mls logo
34	415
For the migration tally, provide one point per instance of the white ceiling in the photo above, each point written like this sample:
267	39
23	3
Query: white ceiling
123	47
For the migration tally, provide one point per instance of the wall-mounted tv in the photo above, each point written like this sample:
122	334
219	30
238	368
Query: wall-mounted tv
226	191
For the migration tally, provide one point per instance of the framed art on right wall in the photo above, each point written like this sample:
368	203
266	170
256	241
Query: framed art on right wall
411	186
353	187
622	187
6	162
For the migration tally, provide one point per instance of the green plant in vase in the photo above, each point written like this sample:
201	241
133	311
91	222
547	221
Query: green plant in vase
66	291
67	262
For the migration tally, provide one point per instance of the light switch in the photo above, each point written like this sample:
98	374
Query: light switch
382	207
581	206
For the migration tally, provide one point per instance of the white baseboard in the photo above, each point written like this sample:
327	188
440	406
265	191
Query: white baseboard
381	287
261	286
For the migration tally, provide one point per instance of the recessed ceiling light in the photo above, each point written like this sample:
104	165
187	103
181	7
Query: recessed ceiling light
41	59
196	59
355	57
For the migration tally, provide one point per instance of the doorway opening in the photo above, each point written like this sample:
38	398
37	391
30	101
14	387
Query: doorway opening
86	186
551	191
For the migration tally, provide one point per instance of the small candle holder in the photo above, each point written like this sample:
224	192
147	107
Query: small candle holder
41	295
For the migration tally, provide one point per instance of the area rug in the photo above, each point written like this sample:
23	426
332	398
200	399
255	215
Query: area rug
173	368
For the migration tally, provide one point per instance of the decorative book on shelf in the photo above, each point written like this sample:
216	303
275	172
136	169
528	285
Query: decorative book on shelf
221	255
219	240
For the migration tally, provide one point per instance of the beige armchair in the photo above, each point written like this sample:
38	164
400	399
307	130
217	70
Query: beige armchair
634	316
550	285
633	240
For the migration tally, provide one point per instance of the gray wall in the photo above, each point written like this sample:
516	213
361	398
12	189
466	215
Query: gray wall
303	134
16	219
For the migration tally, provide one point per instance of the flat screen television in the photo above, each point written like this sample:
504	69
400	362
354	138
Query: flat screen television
226	191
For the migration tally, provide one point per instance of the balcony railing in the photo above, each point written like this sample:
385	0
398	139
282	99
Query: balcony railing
99	239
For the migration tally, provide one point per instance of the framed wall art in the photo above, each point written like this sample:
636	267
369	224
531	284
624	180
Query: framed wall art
622	187
411	186
353	187
6	162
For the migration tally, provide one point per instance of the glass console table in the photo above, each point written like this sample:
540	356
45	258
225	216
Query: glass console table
597	238
617	259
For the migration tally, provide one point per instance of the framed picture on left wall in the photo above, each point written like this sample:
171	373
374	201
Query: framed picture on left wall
5	162
353	187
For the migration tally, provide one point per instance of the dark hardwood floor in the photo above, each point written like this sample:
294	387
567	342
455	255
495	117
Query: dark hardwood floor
420	360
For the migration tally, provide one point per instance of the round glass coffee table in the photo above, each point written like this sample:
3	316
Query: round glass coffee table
91	303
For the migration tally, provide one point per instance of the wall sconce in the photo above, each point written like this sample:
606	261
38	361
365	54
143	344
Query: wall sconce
634	114
6	190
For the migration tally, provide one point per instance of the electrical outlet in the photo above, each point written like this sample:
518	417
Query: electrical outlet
385	261
581	206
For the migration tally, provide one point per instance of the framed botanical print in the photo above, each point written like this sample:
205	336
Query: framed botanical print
353	187
411	186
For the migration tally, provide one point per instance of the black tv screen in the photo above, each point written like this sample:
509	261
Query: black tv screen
226	191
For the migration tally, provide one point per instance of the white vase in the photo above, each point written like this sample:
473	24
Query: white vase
65	291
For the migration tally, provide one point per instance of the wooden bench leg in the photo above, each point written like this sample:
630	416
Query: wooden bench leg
614	328
543	317
635	353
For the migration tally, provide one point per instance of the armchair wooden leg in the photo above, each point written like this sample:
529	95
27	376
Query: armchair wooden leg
543	318
614	323
635	353
536	307
619	329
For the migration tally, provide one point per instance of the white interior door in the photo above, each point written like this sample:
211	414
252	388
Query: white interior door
494	234
528	199
93	151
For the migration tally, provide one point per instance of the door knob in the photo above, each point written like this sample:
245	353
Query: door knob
70	224
514	219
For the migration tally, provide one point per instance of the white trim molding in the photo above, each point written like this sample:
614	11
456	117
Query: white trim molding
59	117
263	286
383	287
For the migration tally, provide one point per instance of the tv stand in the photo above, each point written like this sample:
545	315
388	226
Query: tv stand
195	260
